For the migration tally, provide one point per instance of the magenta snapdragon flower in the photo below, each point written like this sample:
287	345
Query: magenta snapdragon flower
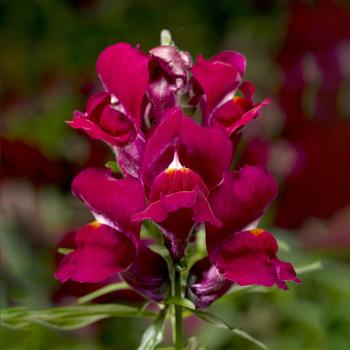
176	171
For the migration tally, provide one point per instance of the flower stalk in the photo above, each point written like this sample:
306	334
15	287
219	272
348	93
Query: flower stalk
178	310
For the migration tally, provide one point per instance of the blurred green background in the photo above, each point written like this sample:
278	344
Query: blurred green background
48	52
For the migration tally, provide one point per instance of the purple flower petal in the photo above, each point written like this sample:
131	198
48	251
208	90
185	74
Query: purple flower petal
205	283
130	157
207	151
113	128
239	200
233	58
101	252
110	199
174	180
148	275
103	121
178	202
169	74
124	73
249	258
236	113
96	103
175	63
177	214
218	79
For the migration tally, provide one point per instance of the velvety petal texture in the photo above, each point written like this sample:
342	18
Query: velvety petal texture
100	252
148	274
249	258
218	79
103	121
236	113
239	200
111	200
177	214
233	58
207	151
205	283
178	202
124	73
130	157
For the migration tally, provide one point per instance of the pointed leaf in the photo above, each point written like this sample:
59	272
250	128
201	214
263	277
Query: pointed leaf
309	268
68	317
102	291
217	322
154	333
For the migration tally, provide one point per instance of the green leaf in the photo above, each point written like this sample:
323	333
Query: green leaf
102	291
154	333
181	302
68	317
217	322
67	324
64	251
309	268
113	165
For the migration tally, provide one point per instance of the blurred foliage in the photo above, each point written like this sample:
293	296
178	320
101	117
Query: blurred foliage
48	54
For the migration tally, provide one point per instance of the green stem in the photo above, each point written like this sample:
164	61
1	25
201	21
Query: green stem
178	312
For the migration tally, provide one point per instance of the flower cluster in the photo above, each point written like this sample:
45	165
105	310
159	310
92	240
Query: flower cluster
173	127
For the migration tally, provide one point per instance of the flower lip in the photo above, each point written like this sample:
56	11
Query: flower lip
105	121
249	258
176	178
101	252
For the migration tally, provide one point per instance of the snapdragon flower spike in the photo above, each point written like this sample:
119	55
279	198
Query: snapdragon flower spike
114	116
178	201
169	69
205	283
206	151
220	78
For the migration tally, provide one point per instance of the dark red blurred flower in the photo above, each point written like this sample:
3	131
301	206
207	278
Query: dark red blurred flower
315	182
